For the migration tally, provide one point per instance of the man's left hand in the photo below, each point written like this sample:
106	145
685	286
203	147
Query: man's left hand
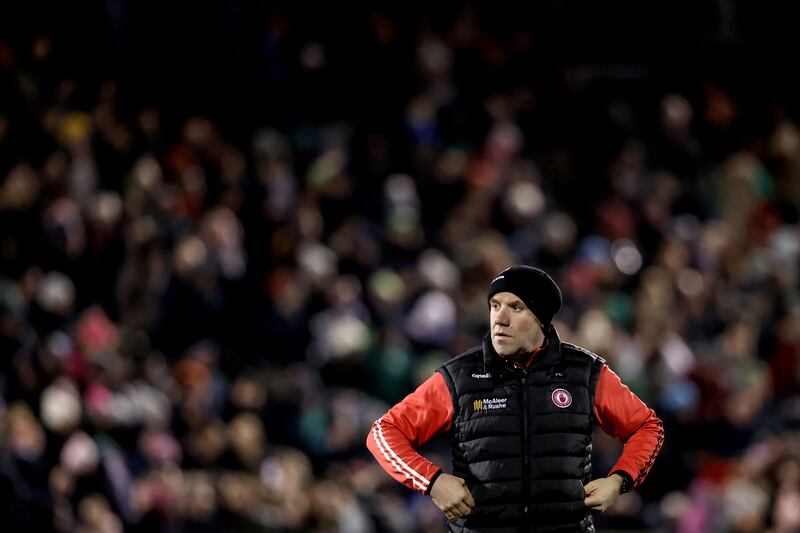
602	492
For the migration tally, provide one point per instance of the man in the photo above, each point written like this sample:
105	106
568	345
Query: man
521	409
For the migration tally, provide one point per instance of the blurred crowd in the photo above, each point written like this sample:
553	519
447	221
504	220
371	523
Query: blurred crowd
200	317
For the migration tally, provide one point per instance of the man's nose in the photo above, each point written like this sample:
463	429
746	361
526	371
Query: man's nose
501	318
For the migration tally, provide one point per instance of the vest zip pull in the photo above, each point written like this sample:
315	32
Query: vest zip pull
525	488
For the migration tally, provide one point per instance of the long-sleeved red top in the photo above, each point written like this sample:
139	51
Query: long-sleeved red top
428	411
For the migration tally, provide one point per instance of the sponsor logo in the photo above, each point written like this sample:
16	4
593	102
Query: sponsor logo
482	376
561	398
487	404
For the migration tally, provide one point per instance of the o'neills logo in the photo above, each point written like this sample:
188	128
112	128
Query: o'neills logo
561	398
487	404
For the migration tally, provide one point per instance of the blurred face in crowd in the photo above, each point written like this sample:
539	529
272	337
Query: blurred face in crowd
515	330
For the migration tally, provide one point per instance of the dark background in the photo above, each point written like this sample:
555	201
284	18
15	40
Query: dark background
232	234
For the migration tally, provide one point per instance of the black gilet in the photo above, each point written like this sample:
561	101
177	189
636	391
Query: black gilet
522	439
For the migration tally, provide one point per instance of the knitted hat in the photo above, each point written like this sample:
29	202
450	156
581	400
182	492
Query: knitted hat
533	286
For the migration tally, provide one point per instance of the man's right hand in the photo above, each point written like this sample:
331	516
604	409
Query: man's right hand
451	495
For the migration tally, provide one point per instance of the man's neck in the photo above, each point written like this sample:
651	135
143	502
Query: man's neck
525	359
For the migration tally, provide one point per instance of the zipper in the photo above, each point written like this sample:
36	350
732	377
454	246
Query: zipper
525	481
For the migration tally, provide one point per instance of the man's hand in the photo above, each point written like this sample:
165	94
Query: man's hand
602	492
451	495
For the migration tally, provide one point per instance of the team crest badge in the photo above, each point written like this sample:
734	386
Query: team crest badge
562	398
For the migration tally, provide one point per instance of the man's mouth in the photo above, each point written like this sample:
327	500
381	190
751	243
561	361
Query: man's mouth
498	334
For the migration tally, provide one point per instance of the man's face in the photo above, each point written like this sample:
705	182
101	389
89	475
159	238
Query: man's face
516	331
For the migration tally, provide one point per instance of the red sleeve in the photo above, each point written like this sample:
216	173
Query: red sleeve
623	415
393	438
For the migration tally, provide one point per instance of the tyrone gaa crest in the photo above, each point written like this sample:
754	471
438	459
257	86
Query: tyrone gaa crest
562	398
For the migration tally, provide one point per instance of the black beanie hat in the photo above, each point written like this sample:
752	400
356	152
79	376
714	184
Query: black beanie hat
533	286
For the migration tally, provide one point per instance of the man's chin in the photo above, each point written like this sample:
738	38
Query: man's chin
504	351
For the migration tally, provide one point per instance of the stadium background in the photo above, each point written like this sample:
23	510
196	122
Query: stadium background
232	233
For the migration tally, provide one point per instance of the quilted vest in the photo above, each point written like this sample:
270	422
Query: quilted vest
522	439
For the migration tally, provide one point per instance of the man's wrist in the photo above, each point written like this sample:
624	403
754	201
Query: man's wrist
625	479
433	479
